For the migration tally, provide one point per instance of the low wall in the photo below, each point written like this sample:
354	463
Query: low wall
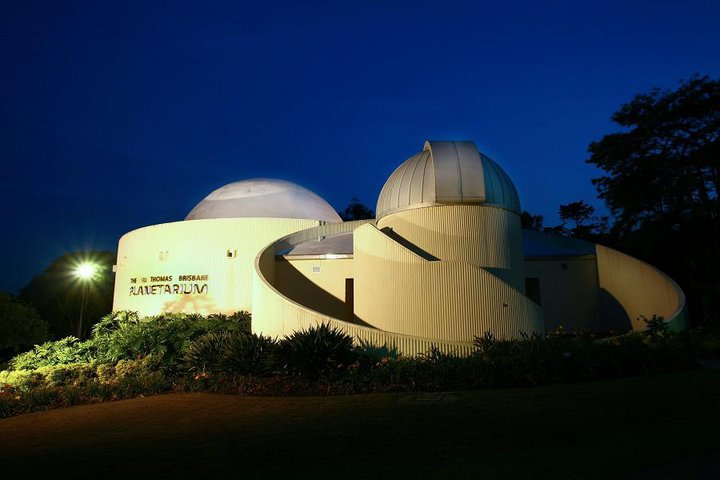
640	289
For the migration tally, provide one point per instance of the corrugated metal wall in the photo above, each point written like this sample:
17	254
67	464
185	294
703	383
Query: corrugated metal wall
640	288
275	315
401	292
484	236
196	247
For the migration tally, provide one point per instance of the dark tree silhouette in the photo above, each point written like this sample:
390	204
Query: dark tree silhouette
20	326
56	293
531	222
577	212
356	211
585	224
662	173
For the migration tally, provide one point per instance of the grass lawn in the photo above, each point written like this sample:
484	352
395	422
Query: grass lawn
642	427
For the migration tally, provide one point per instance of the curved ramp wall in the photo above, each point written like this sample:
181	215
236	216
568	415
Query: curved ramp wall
398	291
275	315
640	289
195	266
484	236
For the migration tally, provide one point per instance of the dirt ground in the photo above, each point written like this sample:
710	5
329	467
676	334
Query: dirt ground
649	427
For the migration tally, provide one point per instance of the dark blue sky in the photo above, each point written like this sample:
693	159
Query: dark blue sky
116	115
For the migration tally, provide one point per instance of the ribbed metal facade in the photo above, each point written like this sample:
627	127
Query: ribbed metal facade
399	291
483	236
640	288
447	173
276	315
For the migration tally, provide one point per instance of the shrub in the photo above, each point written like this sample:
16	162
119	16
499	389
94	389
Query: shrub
205	353
21	380
139	377
61	352
229	352
122	335
105	373
656	326
248	354
369	356
75	375
315	352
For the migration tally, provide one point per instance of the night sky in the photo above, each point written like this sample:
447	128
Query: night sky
120	115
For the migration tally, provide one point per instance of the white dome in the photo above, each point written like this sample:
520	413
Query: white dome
265	198
447	173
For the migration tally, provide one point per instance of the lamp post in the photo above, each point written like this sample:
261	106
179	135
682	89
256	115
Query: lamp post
84	272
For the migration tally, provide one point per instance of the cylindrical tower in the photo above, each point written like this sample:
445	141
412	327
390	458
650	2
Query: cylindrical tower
453	203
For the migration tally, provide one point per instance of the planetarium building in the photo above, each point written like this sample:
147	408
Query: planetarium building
445	260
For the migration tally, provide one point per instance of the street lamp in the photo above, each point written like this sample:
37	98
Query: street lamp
85	273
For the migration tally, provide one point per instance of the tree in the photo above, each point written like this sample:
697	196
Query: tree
665	164
531	222
585	224
20	326
56	293
356	211
662	173
578	212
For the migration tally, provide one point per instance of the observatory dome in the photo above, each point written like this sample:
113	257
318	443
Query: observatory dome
265	198
447	173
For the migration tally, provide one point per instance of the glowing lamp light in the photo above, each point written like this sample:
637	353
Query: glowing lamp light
85	271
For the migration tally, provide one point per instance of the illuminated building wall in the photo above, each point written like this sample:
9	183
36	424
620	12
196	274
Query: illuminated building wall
445	260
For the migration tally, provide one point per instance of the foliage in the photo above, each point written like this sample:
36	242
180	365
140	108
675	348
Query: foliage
585	224
20	326
665	162
356	211
219	354
123	335
657	327
57	293
205	353
369	355
64	385
562	358
229	353
248	354
531	222
661	182
61	352
76	374
317	351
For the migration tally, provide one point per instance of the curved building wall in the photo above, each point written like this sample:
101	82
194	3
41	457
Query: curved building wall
276	315
196	266
399	291
318	283
640	289
484	236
